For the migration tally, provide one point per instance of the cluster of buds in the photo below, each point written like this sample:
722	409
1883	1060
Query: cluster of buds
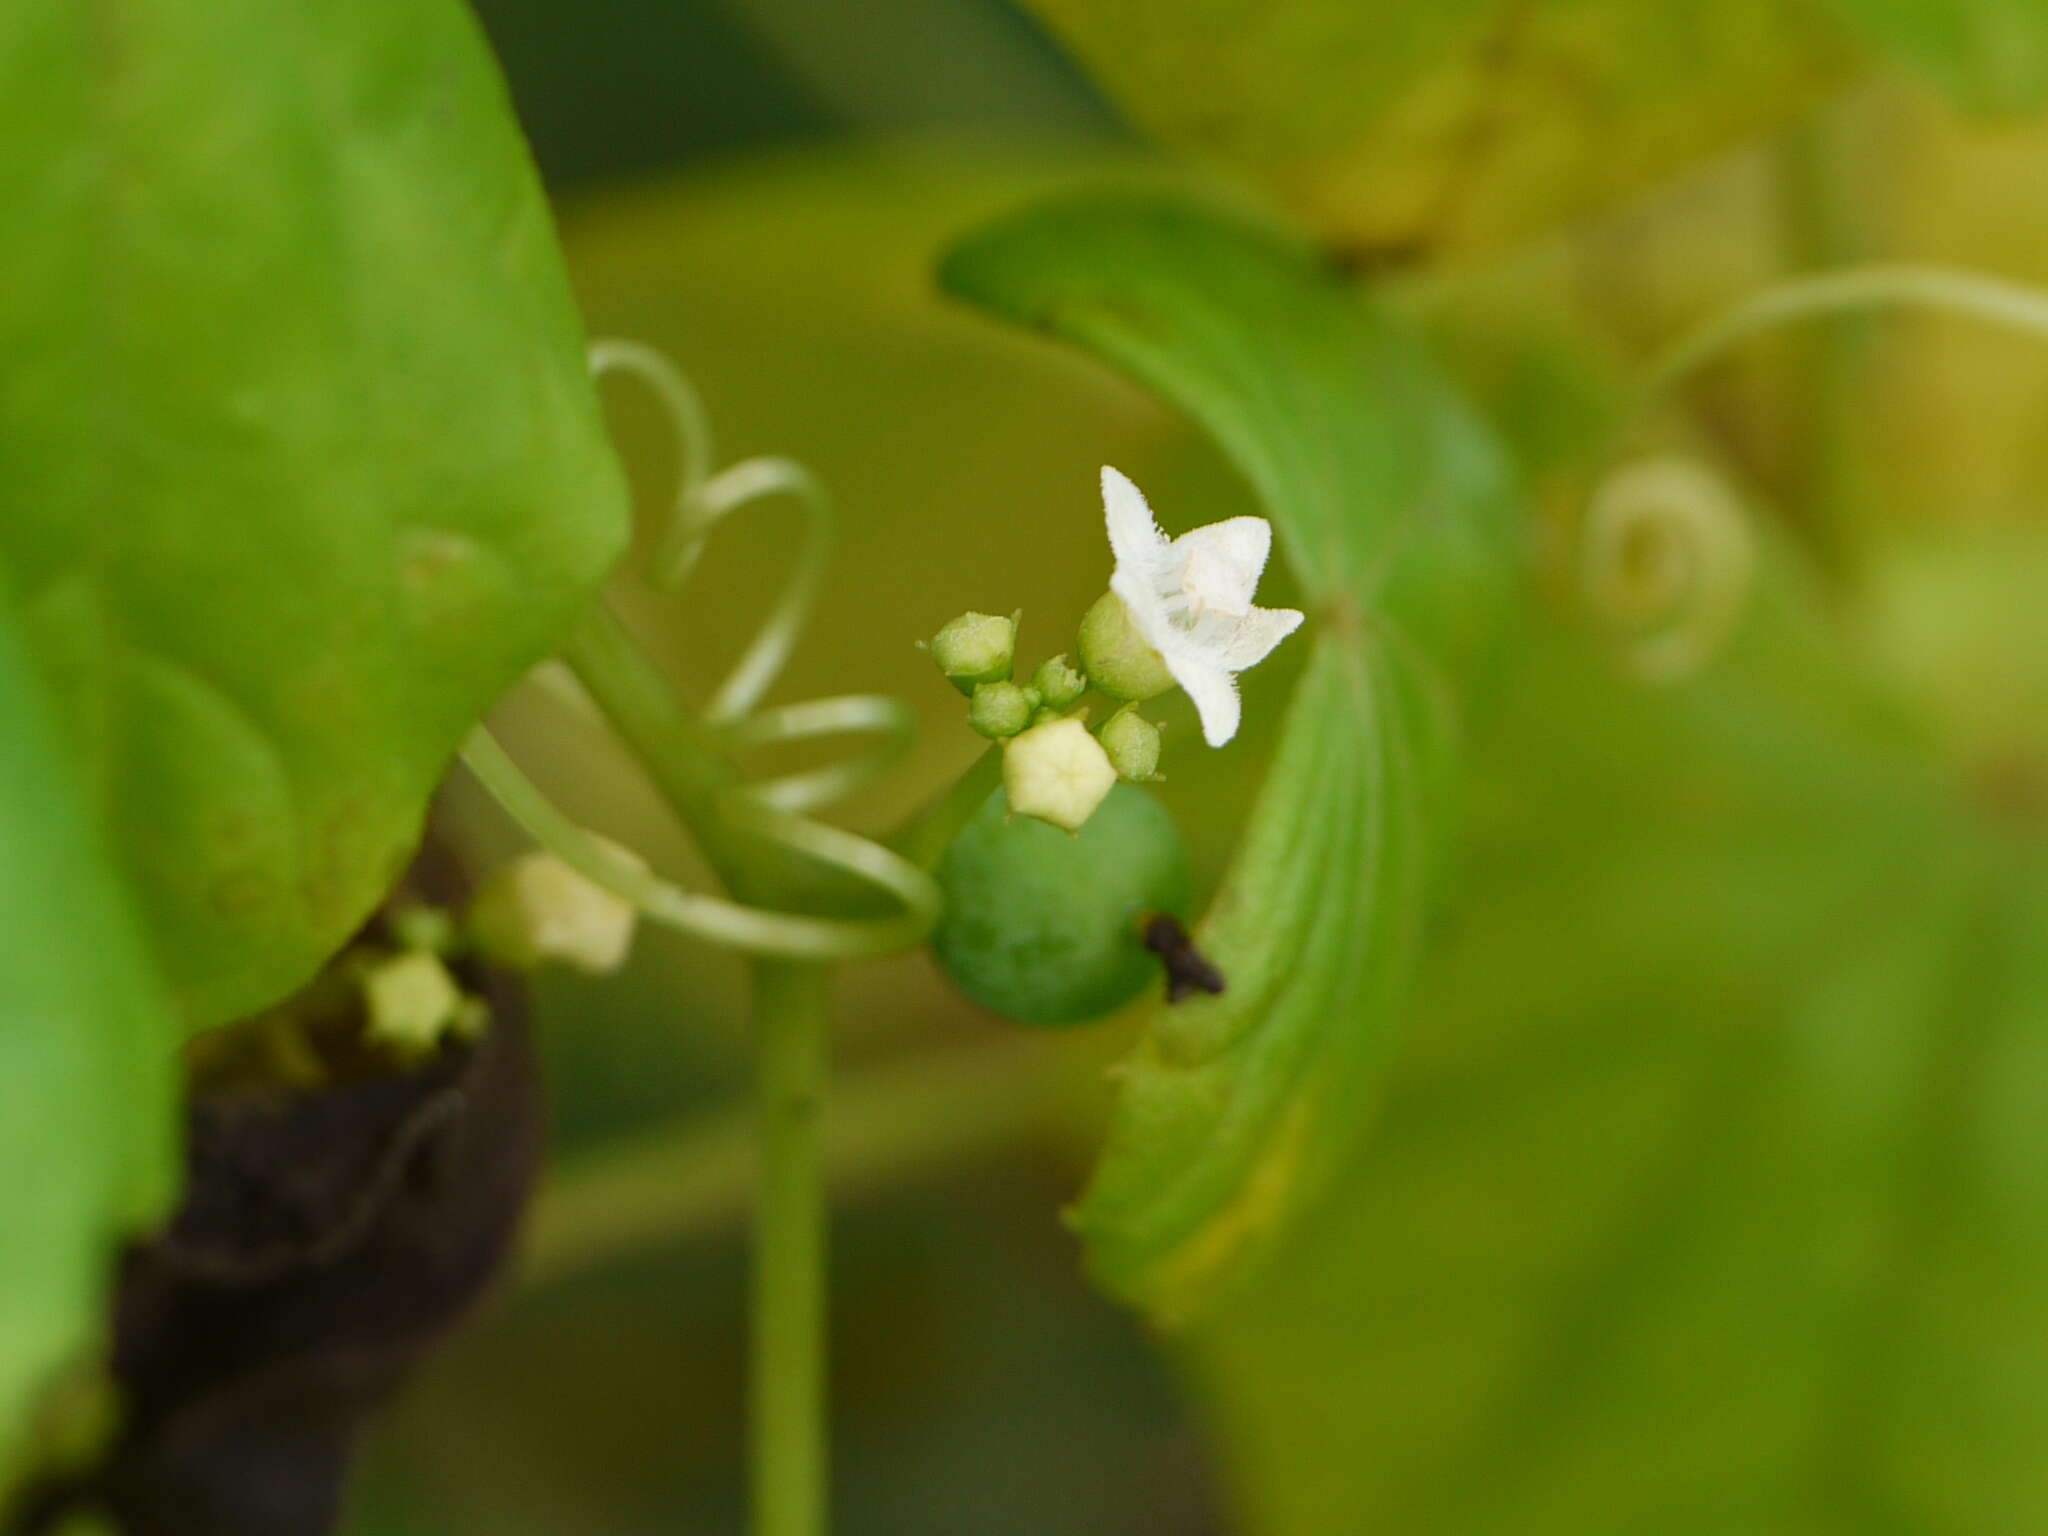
530	912
1178	614
1054	768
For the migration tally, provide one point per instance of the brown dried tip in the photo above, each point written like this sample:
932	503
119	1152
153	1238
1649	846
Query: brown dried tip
1188	970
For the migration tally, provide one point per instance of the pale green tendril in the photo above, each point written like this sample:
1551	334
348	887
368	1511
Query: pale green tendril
1666	557
752	930
853	714
766	810
1666	553
704	498
2010	306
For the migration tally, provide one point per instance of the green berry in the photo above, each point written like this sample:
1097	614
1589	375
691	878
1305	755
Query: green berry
1001	710
1132	743
973	649
1059	682
1042	926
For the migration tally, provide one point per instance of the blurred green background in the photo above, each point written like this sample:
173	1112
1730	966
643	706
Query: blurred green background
1708	1192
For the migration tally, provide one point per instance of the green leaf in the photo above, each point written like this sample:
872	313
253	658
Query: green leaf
87	1053
1708	1197
1423	126
303	466
1986	55
1391	507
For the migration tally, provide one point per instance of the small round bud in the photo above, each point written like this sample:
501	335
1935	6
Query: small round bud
1117	657
1059	682
975	648
415	925
1058	773
536	909
1132	743
1001	710
410	999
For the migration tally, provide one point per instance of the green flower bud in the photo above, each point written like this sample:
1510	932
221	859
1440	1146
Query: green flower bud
1116	657
1132	743
1059	682
1058	773
973	649
536	909
1001	710
410	999
415	925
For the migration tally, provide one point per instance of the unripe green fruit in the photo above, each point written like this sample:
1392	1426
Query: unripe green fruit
1042	926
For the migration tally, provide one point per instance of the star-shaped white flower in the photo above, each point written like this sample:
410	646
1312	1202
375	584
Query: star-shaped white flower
1191	599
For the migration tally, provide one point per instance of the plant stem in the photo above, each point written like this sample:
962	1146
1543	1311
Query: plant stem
786	1365
788	1353
890	1122
787	1368
925	837
677	752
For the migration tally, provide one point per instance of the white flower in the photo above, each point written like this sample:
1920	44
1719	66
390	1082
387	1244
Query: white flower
1058	773
1191	599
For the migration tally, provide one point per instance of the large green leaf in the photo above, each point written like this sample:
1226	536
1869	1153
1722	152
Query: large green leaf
302	466
1709	1196
1390	505
87	1052
1411	126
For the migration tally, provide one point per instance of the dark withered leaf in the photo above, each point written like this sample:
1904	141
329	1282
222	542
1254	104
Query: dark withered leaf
328	1245
328	1240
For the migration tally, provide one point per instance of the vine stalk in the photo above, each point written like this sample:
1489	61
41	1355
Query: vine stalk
797	882
787	1361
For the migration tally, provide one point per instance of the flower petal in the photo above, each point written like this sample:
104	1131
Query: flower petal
1134	539
1237	547
1253	637
1191	599
1214	692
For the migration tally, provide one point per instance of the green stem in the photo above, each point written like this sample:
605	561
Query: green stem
787	1364
887	1123
768	856
679	753
924	839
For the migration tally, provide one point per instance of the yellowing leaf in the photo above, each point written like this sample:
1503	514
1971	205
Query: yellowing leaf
1428	126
